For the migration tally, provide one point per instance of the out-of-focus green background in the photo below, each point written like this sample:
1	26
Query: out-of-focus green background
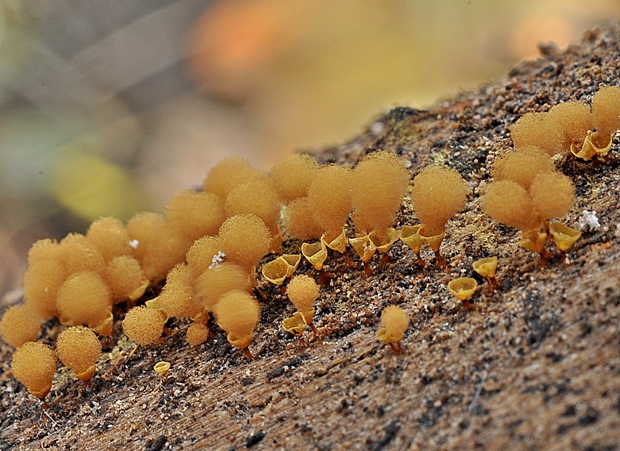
110	107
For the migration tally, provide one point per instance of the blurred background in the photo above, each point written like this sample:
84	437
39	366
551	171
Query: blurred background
109	107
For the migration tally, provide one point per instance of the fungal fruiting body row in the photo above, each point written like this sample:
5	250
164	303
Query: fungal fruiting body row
528	192
34	363
573	127
207	243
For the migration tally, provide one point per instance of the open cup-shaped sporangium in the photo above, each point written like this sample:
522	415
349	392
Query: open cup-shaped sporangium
463	288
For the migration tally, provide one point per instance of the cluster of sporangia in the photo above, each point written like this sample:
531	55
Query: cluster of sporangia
208	243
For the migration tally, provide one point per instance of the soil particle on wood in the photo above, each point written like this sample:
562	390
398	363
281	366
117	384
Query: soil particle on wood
535	365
